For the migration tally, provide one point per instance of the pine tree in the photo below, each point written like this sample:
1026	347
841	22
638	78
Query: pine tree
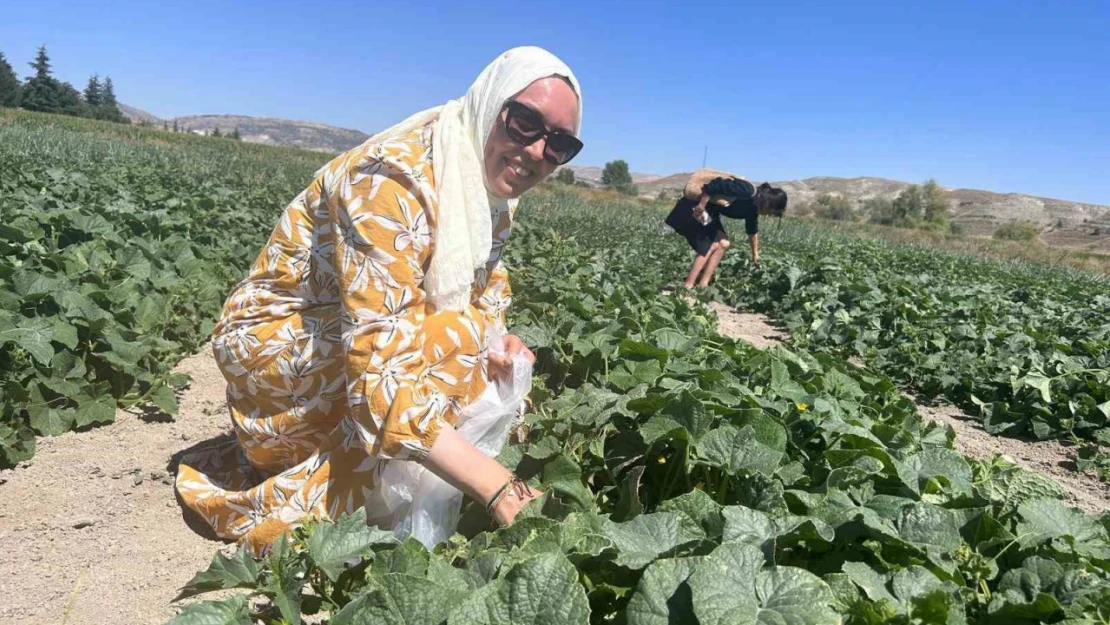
235	134
175	127
215	133
108	105
42	92
165	125
69	100
9	84
93	91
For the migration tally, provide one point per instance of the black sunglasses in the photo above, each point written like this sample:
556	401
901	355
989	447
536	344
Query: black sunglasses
525	127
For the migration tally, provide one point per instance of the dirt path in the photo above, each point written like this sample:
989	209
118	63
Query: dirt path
85	542
1048	458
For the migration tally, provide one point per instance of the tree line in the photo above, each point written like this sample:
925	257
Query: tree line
44	93
615	176
922	206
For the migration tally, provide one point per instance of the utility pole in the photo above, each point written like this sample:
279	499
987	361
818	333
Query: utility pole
704	156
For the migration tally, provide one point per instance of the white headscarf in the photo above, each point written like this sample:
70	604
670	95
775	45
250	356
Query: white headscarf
464	223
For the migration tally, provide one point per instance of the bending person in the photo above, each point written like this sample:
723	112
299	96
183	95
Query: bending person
362	329
700	221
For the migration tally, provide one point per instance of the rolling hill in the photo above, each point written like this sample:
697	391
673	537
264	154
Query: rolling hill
265	130
1062	222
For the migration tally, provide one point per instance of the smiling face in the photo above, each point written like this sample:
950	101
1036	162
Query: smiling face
512	169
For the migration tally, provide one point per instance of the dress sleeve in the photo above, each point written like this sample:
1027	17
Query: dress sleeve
381	239
496	299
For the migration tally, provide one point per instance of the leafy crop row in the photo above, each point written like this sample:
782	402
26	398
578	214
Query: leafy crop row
1027	347
116	252
692	478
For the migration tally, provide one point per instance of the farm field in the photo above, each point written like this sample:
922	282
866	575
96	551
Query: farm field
692	477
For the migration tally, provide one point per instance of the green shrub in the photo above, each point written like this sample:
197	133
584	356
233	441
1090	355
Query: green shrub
1017	231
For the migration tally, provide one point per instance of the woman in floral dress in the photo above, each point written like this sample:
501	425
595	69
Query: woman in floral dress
361	331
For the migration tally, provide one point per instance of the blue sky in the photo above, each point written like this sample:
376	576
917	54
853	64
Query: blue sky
1006	96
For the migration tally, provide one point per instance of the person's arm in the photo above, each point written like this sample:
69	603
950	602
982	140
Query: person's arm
396	411
751	226
494	304
460	464
699	210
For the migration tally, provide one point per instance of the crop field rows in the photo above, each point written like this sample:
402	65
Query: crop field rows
690	477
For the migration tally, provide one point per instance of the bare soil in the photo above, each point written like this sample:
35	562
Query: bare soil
1049	458
91	528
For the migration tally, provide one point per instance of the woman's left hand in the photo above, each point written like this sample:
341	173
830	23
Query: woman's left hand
501	364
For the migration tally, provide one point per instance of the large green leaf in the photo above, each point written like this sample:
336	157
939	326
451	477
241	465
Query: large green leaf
737	449
662	597
237	571
333	545
1048	519
730	586
33	335
543	590
231	611
400	599
650	536
936	470
701	509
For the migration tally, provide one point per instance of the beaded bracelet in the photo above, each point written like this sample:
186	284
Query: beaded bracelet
496	499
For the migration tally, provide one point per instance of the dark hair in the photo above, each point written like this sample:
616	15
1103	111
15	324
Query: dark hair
770	200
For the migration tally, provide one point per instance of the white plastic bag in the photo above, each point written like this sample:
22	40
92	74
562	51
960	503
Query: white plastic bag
416	502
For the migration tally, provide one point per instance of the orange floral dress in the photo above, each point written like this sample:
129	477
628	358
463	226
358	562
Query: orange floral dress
335	360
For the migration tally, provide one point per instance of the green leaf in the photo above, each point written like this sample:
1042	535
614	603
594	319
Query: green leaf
1039	382
633	372
332	545
737	449
944	468
231	611
1047	519
628	503
33	335
94	411
64	333
400	599
873	583
701	509
237	571
730	587
649	536
286	579
930	527
543	590
671	339
663	597
1013	486
411	557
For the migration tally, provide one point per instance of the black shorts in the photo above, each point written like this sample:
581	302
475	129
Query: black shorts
700	237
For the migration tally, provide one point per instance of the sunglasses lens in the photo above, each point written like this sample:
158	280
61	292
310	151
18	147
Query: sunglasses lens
561	148
523	125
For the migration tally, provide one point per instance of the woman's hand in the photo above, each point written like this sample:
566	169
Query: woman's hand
512	503
501	364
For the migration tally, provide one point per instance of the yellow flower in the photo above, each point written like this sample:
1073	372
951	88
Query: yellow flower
662	460
801	406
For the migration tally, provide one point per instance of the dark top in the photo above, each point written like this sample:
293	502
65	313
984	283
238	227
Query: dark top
701	237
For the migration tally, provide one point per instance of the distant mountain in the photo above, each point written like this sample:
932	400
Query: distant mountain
1062	222
265	130
592	176
269	131
139	115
